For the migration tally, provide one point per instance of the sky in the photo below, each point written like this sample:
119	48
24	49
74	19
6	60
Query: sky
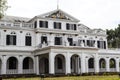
104	14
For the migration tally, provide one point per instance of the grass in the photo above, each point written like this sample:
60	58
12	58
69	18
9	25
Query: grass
110	77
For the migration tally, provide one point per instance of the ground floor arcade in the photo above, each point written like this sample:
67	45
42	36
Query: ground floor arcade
59	61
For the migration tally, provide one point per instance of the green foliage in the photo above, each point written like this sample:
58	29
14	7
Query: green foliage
113	37
3	7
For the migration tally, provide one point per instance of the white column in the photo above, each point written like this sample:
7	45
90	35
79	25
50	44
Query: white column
37	65
86	65
38	23
107	65
51	40
96	64
68	66
117	65
4	65
78	63
83	63
51	63
20	65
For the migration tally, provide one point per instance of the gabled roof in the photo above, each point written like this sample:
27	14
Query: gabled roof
14	19
58	14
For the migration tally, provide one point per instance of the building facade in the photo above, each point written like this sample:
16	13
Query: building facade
53	43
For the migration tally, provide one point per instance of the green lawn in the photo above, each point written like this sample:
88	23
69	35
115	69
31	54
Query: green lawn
110	77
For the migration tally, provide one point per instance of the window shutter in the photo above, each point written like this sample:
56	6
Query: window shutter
46	24
8	40
67	26
104	44
41	23
35	24
98	43
59	25
14	40
75	27
54	25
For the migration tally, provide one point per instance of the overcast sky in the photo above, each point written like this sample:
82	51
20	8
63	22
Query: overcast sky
103	14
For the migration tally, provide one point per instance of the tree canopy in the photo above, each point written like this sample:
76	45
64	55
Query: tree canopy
113	37
3	7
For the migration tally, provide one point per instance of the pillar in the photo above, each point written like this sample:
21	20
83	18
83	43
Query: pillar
51	40
37	65
96	64
83	63
51	63
38	23
68	65
20	65
117	65
107	65
4	64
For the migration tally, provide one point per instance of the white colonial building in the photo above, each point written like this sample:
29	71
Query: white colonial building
53	43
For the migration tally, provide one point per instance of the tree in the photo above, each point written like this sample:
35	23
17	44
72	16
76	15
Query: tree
113	37
3	7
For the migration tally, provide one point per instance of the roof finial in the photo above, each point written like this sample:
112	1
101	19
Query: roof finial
57	4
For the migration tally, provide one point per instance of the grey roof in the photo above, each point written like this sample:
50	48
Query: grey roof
14	19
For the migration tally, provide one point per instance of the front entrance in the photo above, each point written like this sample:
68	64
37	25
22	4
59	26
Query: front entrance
44	65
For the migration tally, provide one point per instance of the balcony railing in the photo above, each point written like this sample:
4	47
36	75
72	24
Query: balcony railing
12	71
112	69
91	70
28	71
25	25
102	69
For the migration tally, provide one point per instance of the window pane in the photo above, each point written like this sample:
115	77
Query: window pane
43	39
28	41
8	40
58	40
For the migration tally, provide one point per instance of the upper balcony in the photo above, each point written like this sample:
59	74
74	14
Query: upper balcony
16	25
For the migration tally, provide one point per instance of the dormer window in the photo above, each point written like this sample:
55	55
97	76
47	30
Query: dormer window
71	26
57	25
43	24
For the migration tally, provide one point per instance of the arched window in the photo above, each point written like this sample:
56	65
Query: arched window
112	63
11	39
91	63
102	63
12	63
28	63
28	39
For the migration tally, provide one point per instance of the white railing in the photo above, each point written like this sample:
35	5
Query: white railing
25	25
28	71
91	70
12	71
102	69
112	69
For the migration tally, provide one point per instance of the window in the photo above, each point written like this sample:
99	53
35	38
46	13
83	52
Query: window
90	43
11	39
28	40
71	26
70	40
101	44
58	40
43	24
43	39
35	24
57	25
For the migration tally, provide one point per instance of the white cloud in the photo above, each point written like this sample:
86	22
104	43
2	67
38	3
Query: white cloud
93	13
